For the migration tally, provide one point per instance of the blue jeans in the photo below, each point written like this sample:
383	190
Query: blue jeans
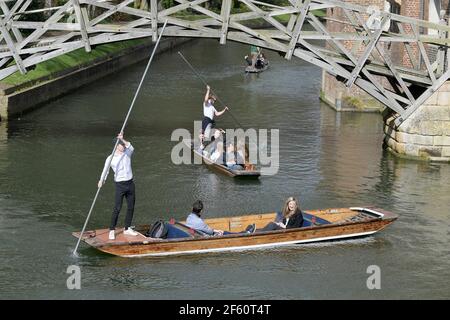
236	167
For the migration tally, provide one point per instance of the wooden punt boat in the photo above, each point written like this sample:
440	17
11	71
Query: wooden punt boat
320	225
217	167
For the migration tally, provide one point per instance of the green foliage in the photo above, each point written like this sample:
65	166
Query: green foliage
167	3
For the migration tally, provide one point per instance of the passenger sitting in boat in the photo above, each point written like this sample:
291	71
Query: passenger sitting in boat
259	63
233	160
290	217
195	222
242	153
217	136
217	155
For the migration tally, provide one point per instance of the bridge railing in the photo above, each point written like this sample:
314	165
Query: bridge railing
398	60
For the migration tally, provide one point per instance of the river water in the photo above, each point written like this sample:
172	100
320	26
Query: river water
51	159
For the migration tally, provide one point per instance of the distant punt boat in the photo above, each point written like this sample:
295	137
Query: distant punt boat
319	225
217	167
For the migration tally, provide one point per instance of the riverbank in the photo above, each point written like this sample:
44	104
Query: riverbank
61	75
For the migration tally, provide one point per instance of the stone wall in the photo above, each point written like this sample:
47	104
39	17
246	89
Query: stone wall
426	133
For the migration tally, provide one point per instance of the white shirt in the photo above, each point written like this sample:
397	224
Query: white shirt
121	165
209	110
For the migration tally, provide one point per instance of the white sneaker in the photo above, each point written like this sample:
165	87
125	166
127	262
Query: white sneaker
130	232
112	235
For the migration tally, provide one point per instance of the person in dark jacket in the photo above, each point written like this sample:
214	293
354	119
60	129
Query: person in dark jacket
290	217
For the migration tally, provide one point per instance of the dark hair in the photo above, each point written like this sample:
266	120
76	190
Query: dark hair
197	206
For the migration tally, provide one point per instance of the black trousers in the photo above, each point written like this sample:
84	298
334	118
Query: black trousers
205	122
123	189
270	227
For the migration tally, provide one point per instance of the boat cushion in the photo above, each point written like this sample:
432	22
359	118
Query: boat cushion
307	218
174	232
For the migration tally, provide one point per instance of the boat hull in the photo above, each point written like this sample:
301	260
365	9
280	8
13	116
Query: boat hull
237	242
251	69
254	174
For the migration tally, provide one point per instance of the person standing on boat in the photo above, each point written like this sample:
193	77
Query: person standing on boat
254	52
209	111
123	178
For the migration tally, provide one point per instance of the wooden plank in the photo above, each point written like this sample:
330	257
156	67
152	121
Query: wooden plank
263	14
37	33
320	27
109	12
367	52
12	47
14	15
225	13
447	51
180	7
297	29
423	97
276	44
82	23
203	11
440	59
154	15
127	10
425	58
387	60
7	16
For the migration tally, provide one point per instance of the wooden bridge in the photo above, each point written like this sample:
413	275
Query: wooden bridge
361	56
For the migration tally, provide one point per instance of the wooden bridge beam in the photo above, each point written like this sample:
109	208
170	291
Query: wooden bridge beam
364	70
298	28
225	13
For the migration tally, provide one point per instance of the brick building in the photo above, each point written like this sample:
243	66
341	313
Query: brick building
335	93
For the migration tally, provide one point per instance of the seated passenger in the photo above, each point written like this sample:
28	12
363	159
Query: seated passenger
231	159
217	155
290	217
241	153
195	222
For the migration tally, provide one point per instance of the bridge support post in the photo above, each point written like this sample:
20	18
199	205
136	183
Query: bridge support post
225	14
425	134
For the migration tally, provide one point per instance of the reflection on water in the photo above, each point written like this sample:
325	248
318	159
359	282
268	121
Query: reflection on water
51	159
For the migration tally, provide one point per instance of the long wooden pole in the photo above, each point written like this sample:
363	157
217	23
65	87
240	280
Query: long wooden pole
204	82
117	141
